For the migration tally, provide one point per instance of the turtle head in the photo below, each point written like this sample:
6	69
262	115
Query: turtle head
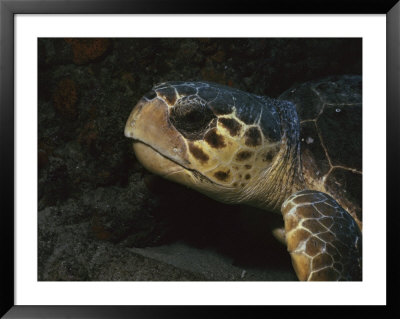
185	138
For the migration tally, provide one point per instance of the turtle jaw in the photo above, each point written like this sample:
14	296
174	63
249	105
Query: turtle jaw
148	127
157	163
148	123
160	165
160	148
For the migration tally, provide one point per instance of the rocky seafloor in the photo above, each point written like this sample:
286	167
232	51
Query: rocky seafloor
101	215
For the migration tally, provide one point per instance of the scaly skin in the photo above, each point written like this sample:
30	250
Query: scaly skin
323	239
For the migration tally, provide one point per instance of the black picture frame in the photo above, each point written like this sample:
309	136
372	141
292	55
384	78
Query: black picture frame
8	10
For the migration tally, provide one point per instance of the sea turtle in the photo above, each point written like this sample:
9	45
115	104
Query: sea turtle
298	155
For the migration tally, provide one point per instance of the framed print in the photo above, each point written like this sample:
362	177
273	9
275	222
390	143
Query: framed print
157	155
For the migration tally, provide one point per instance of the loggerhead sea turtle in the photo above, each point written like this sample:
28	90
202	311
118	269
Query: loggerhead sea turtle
298	155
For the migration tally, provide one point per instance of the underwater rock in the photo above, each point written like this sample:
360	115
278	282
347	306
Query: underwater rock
65	97
87	50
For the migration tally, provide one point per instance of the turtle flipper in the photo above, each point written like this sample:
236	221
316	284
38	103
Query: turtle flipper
323	239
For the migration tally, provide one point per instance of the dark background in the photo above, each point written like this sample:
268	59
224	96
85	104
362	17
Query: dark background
98	206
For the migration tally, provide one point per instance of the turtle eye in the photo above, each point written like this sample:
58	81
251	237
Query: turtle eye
191	117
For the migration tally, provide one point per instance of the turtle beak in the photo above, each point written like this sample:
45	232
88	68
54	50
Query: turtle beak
148	124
